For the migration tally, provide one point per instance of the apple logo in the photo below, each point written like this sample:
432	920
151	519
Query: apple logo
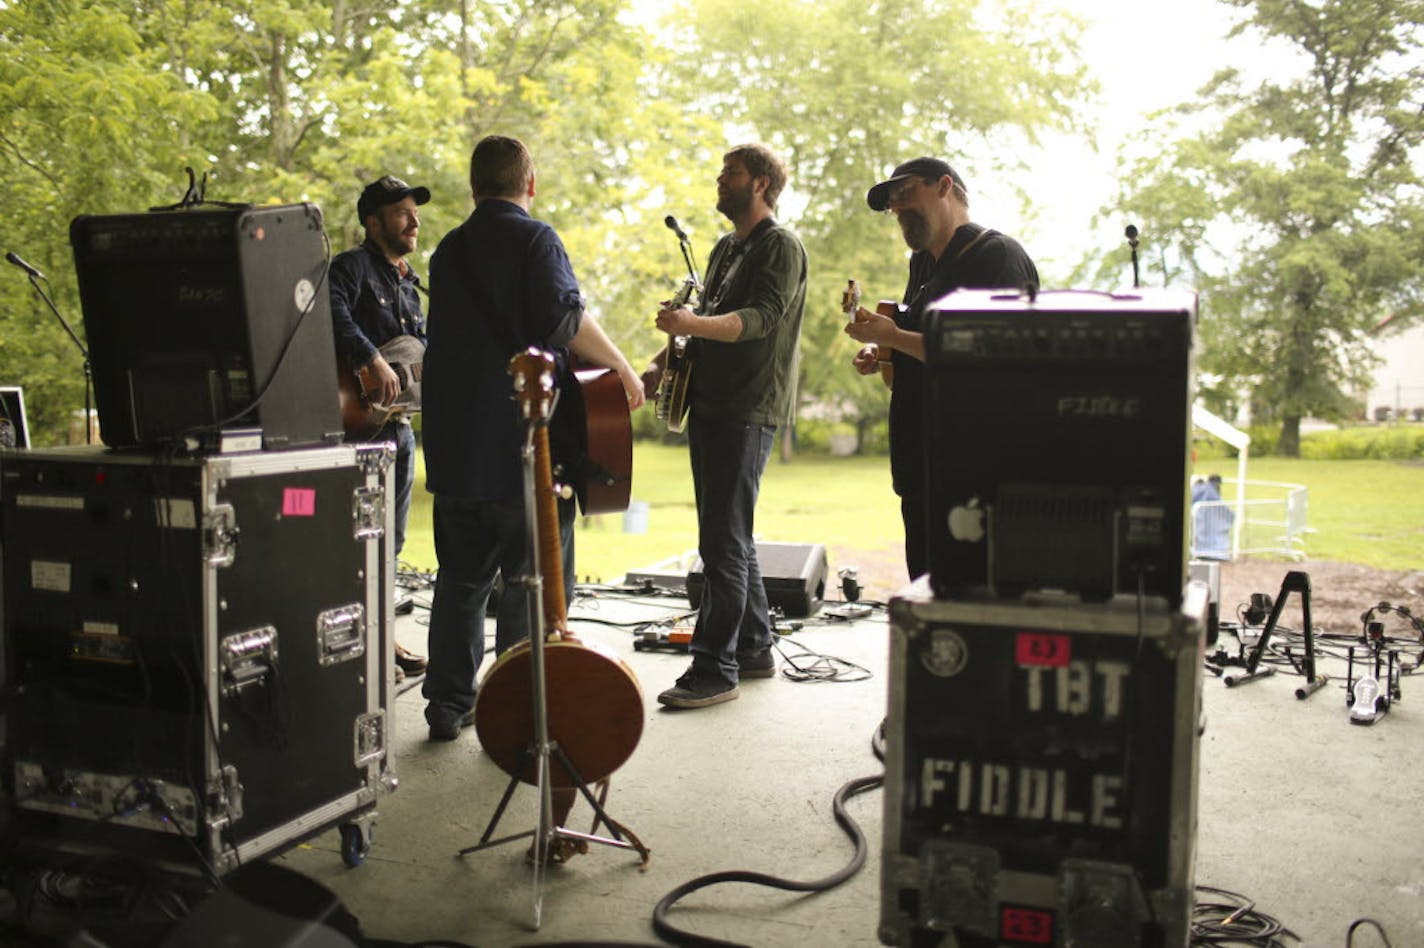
966	522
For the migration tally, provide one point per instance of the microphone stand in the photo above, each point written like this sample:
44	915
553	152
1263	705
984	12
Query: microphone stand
88	366
1131	234
685	246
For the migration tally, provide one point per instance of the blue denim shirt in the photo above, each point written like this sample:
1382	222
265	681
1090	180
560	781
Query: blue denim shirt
371	303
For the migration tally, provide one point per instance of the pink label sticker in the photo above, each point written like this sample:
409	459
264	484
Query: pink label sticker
1042	649
298	502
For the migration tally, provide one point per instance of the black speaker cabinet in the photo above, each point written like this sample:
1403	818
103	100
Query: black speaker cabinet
1058	432
200	320
793	574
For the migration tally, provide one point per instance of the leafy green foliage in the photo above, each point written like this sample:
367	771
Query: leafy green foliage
284	101
1295	204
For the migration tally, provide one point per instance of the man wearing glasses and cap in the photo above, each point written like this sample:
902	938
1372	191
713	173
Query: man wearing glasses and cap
931	203
374	300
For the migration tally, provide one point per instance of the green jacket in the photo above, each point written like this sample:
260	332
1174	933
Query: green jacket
752	379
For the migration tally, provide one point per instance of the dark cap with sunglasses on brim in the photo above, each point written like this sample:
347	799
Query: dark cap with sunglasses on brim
929	169
387	190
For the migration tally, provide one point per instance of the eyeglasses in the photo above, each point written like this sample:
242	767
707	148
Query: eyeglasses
899	195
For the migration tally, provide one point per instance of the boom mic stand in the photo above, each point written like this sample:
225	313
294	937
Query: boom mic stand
541	748
35	276
694	282
1131	234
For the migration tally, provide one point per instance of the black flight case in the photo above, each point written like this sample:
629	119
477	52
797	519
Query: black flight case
1041	771
197	651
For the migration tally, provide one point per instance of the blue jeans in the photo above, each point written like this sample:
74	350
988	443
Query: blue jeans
474	541
728	459
404	486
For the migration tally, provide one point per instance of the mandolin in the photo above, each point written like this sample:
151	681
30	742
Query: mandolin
594	701
850	305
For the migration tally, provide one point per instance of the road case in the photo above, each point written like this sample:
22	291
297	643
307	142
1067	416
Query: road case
197	650
1041	772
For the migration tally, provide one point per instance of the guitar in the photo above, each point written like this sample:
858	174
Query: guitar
850	305
594	704
362	416
677	368
597	450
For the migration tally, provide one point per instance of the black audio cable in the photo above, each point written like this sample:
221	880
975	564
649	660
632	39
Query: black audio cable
678	936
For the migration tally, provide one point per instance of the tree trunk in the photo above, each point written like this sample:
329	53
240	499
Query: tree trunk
1290	436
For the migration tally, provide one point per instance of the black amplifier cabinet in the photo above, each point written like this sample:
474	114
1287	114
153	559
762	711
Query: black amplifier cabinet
1040	773
197	650
1058	433
793	575
191	315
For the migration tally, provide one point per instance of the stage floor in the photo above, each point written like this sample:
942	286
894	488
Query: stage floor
1314	819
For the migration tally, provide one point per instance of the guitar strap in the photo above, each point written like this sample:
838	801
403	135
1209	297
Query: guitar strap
727	268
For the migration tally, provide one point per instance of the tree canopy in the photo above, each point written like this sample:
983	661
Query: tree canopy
106	102
1294	202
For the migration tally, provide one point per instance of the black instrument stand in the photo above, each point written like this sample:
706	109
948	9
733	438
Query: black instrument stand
541	748
1294	582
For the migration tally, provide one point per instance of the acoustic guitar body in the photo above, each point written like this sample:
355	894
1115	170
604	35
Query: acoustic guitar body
595	709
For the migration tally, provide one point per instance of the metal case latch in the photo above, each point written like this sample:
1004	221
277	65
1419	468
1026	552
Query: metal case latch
960	887
341	634
368	513
248	658
370	737
224	798
220	535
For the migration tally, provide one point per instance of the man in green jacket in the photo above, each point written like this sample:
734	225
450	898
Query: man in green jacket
742	355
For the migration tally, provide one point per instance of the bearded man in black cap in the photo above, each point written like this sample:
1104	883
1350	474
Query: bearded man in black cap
930	201
374	300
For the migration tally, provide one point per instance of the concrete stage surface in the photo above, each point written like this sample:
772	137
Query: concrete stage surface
1314	819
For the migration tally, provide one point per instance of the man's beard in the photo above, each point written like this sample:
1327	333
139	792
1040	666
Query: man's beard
395	242
735	203
915	229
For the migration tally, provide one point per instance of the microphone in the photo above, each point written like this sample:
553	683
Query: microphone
15	259
671	223
1131	234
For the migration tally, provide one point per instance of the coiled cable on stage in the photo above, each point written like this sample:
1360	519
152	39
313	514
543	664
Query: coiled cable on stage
678	936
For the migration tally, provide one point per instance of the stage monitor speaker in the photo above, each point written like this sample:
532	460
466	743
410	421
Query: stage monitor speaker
793	574
1057	432
204	319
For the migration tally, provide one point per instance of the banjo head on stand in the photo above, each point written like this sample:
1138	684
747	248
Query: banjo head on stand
595	709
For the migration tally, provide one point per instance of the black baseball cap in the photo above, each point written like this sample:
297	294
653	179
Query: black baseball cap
387	190
878	197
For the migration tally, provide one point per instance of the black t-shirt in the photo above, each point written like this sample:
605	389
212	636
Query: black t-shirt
976	258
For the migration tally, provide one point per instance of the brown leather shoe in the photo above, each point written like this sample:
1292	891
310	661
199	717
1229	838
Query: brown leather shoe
410	663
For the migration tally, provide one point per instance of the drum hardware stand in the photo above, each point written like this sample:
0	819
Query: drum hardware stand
541	748
1367	697
1295	582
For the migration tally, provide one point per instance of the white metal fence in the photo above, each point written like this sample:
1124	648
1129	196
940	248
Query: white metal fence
1265	518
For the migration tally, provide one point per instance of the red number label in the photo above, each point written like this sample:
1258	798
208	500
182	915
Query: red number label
1033	926
1040	648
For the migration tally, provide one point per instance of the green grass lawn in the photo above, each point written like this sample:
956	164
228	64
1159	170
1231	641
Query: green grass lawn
1367	512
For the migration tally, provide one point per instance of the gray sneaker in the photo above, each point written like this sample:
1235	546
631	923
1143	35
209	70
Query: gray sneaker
756	664
443	730
690	691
